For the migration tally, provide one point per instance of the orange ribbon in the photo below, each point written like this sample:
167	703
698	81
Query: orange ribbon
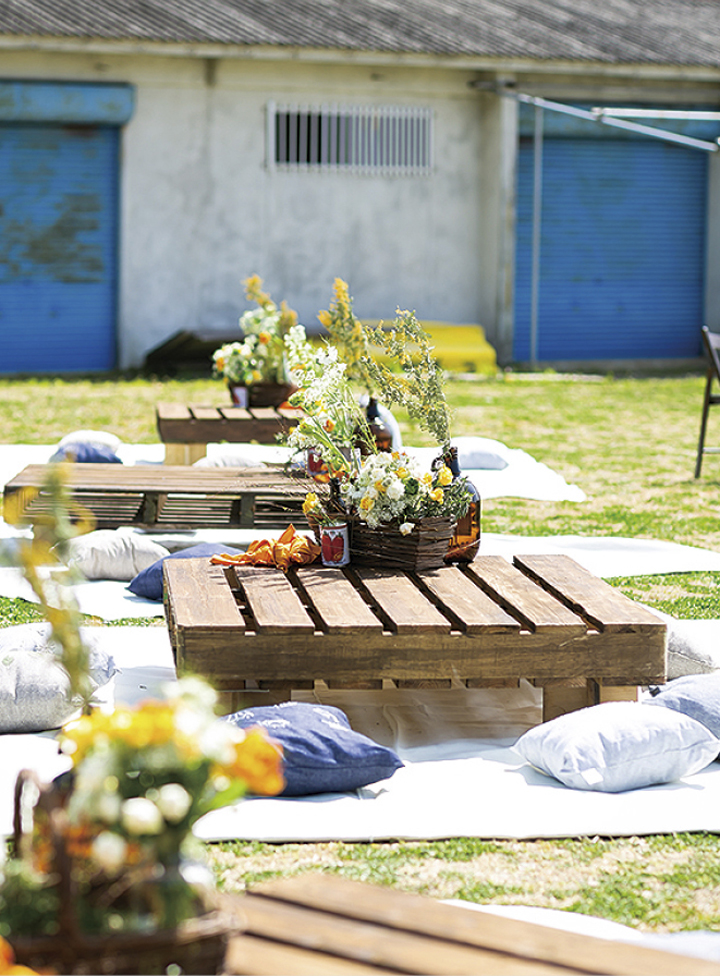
291	547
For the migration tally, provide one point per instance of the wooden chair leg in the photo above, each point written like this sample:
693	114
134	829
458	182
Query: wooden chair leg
703	424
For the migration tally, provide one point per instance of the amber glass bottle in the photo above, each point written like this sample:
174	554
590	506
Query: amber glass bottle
465	543
382	435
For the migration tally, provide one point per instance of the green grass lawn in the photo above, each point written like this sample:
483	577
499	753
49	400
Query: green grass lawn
629	443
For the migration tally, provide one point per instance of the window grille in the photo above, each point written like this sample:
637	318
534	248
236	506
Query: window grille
382	140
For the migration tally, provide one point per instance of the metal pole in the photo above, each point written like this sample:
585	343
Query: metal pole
536	230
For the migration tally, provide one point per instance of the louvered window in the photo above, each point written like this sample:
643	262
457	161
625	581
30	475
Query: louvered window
383	140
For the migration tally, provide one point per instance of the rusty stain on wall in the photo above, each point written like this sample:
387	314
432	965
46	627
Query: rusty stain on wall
57	249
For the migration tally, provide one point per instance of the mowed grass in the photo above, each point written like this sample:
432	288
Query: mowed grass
629	443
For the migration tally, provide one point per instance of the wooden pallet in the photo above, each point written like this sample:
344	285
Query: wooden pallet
186	430
169	497
321	924
545	619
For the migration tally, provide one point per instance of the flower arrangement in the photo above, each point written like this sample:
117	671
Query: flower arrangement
99	851
140	779
377	488
260	356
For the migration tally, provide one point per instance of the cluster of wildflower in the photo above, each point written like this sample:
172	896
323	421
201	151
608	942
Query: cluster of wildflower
390	487
347	333
141	773
260	356
332	419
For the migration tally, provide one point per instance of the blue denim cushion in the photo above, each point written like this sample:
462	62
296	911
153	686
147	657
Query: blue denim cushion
696	695
322	754
86	453
149	583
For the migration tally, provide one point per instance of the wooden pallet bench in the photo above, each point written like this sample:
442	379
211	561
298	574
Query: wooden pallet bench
545	618
169	497
186	430
321	924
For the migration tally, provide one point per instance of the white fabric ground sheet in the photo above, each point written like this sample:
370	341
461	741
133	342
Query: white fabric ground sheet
522	477
461	777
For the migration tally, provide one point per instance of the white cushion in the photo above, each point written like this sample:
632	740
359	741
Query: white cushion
619	746
480	452
113	554
100	438
34	685
228	461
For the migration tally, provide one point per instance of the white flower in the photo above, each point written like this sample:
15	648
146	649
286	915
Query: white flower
141	816
107	807
406	528
109	851
395	490
173	802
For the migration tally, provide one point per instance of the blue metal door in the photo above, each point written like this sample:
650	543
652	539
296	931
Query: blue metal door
622	250
58	247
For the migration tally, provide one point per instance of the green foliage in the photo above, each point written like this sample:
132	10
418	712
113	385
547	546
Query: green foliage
27	905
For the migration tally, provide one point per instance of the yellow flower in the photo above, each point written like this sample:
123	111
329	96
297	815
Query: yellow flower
445	476
426	479
437	495
325	318
264	338
366	503
310	503
380	487
402	473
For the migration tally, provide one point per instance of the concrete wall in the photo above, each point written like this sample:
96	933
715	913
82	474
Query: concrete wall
200	210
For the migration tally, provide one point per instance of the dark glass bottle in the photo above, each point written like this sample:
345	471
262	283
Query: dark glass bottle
382	435
465	543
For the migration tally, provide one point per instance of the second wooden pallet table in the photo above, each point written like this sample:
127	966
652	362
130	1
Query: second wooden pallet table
167	497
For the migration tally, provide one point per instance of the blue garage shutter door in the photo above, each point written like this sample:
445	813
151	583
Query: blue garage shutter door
622	250
58	247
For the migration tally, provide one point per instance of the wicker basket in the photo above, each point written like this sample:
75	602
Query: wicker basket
197	945
387	548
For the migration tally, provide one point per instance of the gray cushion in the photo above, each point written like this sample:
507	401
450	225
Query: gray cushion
696	695
34	685
619	746
113	554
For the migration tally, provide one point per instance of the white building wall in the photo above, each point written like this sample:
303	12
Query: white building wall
200	210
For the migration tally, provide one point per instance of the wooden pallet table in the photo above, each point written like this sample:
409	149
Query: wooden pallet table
545	618
167	497
322	924
186	430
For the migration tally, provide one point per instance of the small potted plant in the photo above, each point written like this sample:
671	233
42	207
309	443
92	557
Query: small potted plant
255	368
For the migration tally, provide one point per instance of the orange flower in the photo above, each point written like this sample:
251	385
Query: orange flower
258	761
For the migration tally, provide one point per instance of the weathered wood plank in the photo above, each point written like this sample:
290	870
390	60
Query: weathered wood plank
200	596
337	602
404	608
605	607
471	608
506	938
247	954
274	604
375	942
524	598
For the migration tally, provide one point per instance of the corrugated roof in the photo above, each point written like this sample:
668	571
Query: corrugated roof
681	32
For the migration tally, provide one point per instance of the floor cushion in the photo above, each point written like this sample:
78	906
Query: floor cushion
618	746
149	583
321	752
34	685
113	554
696	695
